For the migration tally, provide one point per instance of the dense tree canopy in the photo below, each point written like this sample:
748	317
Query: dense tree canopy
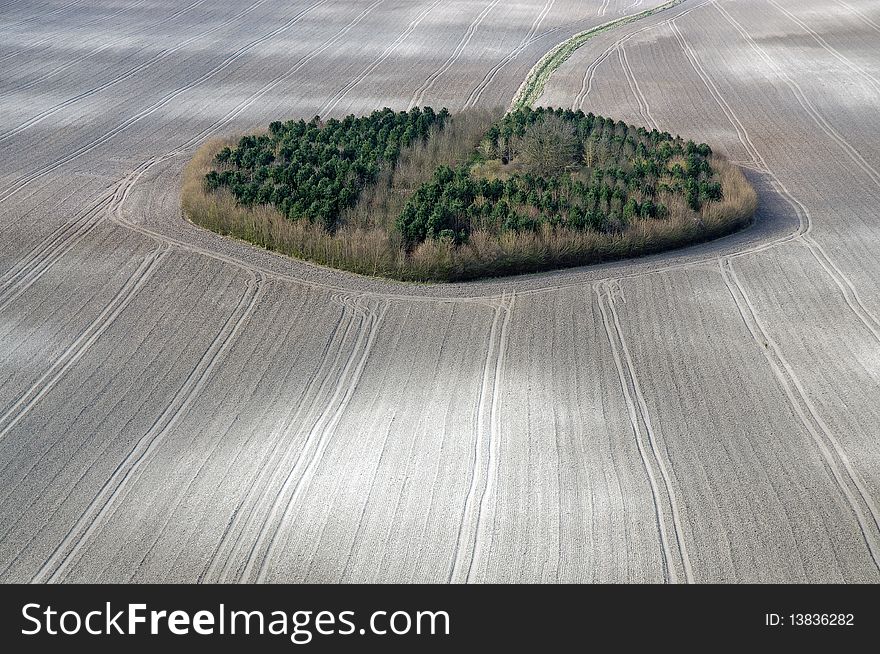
313	170
533	168
561	168
426	196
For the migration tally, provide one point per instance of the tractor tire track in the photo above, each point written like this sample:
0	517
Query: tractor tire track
317	442
81	345
434	478
803	100
864	18
161	56
858	70
102	505
644	107
846	477
104	46
484	458
531	37
278	465
419	95
46	254
488	494
803	234
27	179
272	354
84	472
587	83
536	24
648	447
337	98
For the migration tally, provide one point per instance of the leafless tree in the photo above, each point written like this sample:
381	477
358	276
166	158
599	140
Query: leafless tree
549	146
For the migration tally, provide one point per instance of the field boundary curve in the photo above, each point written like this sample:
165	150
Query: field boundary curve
533	86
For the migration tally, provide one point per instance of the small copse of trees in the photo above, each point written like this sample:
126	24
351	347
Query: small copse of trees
425	196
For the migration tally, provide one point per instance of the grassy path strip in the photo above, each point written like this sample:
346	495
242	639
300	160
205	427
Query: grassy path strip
533	86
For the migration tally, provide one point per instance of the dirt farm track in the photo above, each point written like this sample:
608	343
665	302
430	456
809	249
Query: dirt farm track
177	406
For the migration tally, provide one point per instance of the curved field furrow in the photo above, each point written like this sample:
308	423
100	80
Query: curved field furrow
95	21
101	506
230	454
43	16
802	99
539	19
191	497
40	326
477	93
27	179
853	482
843	283
277	474
644	108
57	459
432	483
870	524
38	261
179	406
418	96
740	478
867	20
260	559
848	63
76	350
494	437
850	482
587	82
485	455
104	46
531	37
228	61
392	478
674	548
586	513
330	105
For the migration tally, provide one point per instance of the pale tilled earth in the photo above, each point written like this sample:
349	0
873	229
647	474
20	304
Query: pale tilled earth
175	406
